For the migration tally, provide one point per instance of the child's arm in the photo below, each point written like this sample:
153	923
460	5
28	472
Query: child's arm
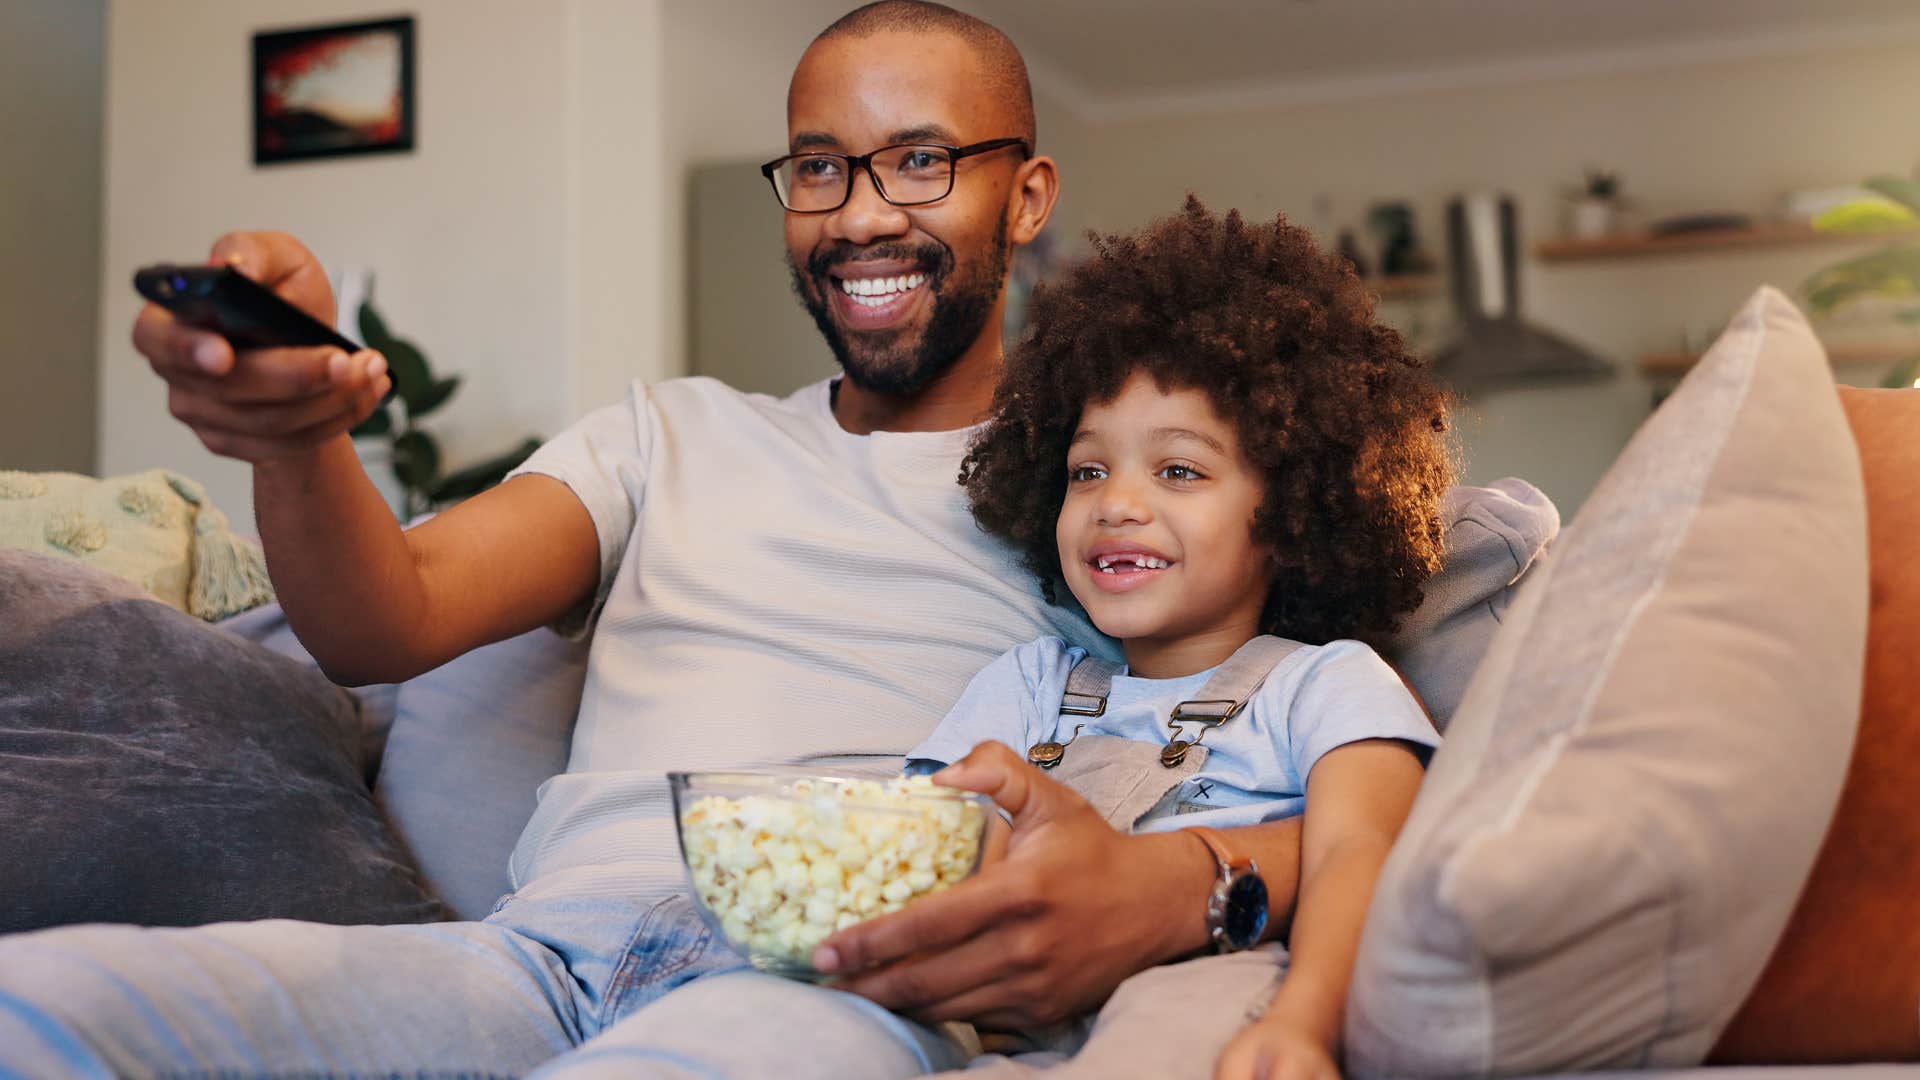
1358	796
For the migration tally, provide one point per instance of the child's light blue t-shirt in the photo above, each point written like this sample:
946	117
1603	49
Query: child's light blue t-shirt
1319	697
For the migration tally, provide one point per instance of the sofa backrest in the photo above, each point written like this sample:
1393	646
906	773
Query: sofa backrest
473	740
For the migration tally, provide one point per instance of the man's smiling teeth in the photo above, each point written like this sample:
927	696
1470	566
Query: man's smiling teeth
1138	562
872	292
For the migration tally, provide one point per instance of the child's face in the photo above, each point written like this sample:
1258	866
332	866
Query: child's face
1156	534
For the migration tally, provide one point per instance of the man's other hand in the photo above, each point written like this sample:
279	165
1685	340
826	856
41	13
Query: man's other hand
1046	933
262	404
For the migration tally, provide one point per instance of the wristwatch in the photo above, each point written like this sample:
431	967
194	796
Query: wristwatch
1237	907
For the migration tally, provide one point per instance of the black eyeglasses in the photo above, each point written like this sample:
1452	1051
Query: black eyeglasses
910	174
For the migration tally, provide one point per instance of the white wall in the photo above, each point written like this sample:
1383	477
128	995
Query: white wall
624	213
1711	135
520	244
51	57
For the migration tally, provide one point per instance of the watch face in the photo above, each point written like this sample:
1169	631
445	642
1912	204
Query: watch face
1246	916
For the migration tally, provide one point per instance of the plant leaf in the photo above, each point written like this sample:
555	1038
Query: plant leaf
1871	215
416	461
373	329
436	395
1904	374
476	478
1893	272
411	378
1898	188
378	422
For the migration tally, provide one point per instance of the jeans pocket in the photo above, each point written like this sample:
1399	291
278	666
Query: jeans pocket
672	946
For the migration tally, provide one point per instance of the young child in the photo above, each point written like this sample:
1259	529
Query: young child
1211	443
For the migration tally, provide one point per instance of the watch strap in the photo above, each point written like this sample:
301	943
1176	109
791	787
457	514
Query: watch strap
1223	853
1235	873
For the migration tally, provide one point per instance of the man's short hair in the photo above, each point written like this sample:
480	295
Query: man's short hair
1006	69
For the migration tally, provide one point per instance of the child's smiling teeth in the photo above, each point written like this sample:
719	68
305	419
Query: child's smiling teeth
1135	563
873	292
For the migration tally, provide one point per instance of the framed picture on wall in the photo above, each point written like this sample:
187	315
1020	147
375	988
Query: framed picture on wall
328	91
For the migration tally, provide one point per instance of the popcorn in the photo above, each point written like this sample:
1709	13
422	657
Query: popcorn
780	873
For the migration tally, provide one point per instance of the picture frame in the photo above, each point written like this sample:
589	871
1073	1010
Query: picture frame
340	90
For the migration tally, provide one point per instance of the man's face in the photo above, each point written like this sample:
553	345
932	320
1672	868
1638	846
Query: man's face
900	293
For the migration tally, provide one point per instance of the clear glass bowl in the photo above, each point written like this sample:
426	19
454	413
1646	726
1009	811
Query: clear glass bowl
779	860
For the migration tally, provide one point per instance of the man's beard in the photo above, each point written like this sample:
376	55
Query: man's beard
893	362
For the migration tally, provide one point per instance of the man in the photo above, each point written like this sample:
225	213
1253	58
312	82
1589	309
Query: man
792	580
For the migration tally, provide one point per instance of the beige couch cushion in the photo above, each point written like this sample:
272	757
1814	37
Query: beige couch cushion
1635	786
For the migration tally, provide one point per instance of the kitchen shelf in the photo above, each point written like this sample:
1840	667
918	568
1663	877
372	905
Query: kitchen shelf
1395	286
1773	234
1882	352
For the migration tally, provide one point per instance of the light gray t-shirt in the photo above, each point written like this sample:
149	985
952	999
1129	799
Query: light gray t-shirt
1317	698
773	590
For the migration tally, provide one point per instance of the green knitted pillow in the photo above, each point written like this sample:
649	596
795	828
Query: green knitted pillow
156	529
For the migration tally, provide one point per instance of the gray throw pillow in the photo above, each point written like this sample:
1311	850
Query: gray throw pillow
1607	847
267	627
1495	536
159	771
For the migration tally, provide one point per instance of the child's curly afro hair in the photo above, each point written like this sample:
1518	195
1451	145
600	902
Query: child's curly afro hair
1340	421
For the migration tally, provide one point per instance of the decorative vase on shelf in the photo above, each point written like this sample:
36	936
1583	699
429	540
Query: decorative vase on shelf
1593	208
1590	219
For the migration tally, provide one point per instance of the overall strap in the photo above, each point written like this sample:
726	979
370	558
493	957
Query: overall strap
1235	682
1088	685
1233	685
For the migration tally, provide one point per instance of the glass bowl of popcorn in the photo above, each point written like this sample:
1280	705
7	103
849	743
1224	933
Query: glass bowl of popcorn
780	860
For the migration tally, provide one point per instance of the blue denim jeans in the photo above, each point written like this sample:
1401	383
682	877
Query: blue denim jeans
566	983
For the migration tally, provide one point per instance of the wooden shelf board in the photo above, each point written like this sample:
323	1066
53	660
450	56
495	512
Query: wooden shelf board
1885	352
1398	285
1760	235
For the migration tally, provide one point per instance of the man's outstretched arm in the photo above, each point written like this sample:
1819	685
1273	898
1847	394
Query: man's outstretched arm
370	602
373	603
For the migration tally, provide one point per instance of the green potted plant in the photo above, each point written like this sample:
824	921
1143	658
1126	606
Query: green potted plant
1893	272
416	461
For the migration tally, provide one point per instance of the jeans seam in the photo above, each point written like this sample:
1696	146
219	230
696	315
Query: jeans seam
625	981
618	985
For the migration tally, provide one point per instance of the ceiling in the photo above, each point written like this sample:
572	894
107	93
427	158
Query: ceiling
1115	58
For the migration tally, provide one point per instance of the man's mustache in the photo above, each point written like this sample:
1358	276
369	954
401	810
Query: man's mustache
936	258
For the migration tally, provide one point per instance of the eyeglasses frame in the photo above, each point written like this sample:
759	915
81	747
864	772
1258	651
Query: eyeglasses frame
865	161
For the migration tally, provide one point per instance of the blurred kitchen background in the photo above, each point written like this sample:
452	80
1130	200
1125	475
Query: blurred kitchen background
582	204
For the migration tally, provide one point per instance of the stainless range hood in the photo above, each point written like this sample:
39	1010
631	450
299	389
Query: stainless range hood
1494	345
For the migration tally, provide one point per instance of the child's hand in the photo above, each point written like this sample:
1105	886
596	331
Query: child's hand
1274	1049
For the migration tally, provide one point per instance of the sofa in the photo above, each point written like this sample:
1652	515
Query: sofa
1600	872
